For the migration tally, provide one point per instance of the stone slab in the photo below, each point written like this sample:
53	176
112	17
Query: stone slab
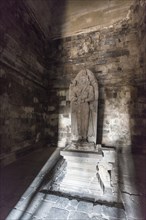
31	204
113	213
74	215
43	210
109	154
87	171
17	215
82	206
28	192
51	198
72	205
62	203
83	146
57	214
97	209
134	206
78	178
89	154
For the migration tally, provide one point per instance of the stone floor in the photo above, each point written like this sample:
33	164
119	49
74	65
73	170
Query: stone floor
50	207
36	204
16	177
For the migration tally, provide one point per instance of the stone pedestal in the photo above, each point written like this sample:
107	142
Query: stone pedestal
87	171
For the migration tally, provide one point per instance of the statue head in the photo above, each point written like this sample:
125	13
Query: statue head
82	78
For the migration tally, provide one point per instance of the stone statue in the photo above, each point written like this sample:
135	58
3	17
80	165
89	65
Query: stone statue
83	94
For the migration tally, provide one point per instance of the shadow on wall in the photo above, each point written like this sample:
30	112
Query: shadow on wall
100	118
29	103
57	97
56	21
131	164
125	110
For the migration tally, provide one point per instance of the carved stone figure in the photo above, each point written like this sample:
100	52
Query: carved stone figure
83	94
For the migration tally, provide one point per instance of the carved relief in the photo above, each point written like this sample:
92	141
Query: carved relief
83	94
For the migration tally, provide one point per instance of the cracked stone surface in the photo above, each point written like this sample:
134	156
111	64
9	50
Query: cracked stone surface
59	208
38	204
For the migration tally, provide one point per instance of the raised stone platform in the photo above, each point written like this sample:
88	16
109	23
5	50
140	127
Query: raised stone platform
88	171
81	172
44	203
83	146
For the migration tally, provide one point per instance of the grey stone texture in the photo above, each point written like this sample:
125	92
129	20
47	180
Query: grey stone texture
112	212
79	17
16	178
35	77
89	172
57	213
116	56
46	204
78	215
62	203
82	206
24	99
83	96
16	214
97	209
51	198
39	208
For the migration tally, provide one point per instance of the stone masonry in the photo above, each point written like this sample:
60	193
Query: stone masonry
40	202
35	76
116	56
24	97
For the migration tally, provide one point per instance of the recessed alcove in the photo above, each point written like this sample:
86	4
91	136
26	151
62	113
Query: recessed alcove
44	44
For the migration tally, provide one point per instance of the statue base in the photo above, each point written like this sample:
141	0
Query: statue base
83	146
87	170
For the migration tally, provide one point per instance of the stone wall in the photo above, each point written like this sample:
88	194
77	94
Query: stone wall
30	112
138	20
25	101
114	54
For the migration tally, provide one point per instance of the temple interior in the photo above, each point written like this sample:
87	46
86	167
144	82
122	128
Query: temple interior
44	46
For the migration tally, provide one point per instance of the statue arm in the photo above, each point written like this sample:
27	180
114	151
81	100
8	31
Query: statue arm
90	95
73	99
72	95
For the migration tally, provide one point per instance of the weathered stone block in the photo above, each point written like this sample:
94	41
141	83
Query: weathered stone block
56	213
74	215
82	206
17	214
112	212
